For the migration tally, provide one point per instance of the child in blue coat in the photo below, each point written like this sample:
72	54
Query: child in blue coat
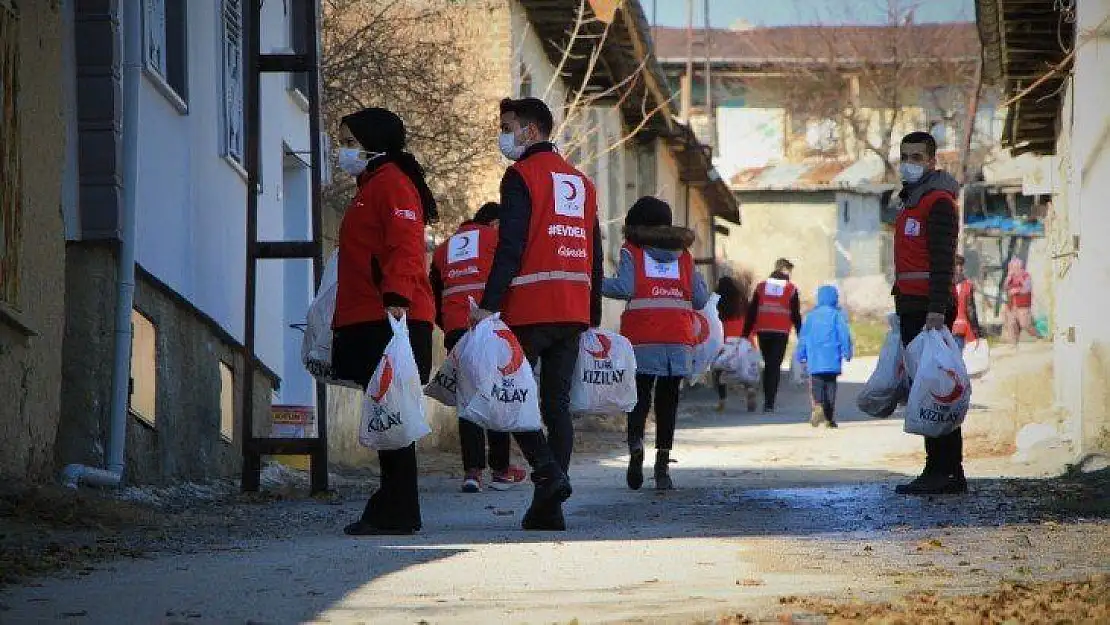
823	344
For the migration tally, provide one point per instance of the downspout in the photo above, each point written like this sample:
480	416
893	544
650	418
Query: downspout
75	474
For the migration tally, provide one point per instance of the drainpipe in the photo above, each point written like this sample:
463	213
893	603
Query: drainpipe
75	474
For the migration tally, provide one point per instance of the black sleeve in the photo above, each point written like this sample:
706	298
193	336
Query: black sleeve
597	275
973	314
749	317
437	293
796	312
516	213
942	230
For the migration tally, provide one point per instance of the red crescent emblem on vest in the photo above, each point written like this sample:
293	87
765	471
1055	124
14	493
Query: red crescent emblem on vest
516	355
385	380
573	191
957	389
606	345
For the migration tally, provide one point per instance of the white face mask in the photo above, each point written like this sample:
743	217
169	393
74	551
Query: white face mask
507	142
911	172
353	160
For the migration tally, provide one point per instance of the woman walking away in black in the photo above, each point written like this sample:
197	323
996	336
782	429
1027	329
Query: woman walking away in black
383	270
732	308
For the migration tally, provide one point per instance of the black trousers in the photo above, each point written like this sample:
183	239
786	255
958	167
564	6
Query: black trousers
666	410
772	345
555	348
472	437
944	454
356	351
824	393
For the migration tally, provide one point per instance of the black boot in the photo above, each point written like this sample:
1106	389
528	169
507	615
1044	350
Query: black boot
635	474
663	479
552	489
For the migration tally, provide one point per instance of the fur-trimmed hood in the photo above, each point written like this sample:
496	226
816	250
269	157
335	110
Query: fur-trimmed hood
672	238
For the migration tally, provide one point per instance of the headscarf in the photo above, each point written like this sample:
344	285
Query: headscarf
381	131
1017	277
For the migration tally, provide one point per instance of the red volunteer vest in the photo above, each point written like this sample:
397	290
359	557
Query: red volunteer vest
463	262
661	309
962	325
774	306
1019	299
553	285
734	328
911	248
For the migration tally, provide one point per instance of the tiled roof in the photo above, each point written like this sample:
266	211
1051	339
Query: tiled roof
846	44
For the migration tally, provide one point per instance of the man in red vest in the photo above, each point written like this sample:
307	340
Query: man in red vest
546	282
460	267
775	309
925	237
966	327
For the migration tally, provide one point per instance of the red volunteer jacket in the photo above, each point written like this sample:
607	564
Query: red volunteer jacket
911	248
463	263
774	306
734	328
553	284
661	309
382	250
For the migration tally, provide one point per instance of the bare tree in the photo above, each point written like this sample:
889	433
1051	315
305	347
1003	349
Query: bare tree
863	85
403	55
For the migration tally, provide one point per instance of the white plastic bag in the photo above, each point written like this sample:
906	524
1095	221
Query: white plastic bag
977	358
496	387
940	394
710	336
316	343
444	384
799	371
744	364
605	376
887	385
393	404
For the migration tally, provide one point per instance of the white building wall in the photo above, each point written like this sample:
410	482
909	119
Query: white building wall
192	199
1082	336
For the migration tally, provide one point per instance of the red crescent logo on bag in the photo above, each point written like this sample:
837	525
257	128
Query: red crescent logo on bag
701	328
385	380
957	389
606	345
516	356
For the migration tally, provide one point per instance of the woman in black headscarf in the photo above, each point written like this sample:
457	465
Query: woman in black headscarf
383	271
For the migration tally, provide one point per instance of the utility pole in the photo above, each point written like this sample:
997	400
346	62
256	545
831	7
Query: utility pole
710	111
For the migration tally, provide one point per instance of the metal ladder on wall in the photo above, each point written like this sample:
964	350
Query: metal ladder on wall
301	61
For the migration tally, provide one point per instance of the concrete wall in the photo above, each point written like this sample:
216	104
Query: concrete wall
30	366
1082	272
799	226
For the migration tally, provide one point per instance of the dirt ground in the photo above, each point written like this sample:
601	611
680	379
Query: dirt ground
773	521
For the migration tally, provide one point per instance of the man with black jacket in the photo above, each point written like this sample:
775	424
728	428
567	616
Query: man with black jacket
925	238
546	283
774	309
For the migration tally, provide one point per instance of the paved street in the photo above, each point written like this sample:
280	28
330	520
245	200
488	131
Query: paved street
766	507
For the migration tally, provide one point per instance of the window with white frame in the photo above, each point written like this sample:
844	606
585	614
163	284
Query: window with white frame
234	118
165	47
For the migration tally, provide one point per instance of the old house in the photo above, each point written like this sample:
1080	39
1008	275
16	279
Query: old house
1052	62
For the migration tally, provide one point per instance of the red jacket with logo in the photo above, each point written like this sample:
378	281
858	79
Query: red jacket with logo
774	314
911	245
462	264
553	283
382	251
661	309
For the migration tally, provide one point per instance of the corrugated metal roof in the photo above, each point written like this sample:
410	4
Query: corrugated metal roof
813	175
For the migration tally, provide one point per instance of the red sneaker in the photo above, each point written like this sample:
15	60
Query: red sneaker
504	480
473	481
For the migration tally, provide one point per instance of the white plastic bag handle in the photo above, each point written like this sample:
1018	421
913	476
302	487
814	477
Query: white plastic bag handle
400	326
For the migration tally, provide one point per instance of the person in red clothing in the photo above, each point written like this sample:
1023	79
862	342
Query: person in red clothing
546	283
383	271
460	267
966	327
926	233
1019	301
775	309
732	308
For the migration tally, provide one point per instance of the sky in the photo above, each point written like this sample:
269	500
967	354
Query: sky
725	13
